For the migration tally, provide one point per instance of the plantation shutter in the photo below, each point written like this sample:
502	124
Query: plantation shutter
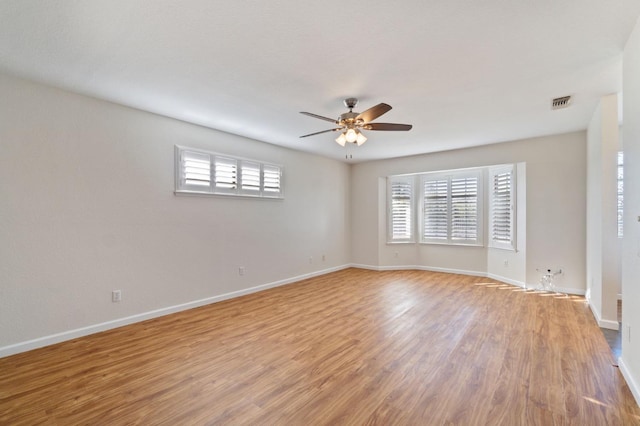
272	180
620	194
435	209
464	209
249	178
194	171
204	172
226	175
502	210
451	208
400	209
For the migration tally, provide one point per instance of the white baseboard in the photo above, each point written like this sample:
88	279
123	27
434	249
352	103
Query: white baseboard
575	291
108	325
363	266
451	271
418	268
565	290
608	324
397	268
506	280
602	323
631	382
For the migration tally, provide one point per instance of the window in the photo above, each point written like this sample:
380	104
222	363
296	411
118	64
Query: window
401	225
451	208
195	170
436	209
502	207
448	207
225	175
203	172
620	192
271	181
250	178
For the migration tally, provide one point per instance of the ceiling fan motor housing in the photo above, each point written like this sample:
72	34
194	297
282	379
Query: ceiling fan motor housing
351	103
348	119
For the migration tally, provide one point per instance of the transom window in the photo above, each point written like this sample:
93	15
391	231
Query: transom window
203	172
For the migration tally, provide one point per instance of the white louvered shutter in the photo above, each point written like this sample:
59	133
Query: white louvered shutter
204	172
250	178
620	194
435	209
225	175
271	181
464	209
502	208
400	209
194	171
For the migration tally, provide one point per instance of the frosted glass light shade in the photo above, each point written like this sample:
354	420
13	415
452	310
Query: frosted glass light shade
342	140
351	135
361	139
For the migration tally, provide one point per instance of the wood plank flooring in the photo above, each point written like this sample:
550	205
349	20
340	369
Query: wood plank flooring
352	347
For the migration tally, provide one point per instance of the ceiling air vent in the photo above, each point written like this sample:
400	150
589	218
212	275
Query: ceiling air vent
559	103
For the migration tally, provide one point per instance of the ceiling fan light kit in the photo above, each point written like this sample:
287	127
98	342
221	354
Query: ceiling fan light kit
351	123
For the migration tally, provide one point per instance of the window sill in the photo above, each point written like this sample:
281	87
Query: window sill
433	243
224	195
503	248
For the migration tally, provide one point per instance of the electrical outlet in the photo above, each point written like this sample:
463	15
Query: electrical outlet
116	296
506	262
310	260
395	254
324	257
241	270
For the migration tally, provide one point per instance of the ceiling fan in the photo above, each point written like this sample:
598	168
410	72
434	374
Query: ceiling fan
351	123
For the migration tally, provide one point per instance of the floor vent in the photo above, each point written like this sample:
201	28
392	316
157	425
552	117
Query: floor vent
559	103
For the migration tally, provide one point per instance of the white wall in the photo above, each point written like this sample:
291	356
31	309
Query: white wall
630	359
603	254
554	216
88	206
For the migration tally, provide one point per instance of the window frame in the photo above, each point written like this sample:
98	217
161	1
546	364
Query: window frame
236	164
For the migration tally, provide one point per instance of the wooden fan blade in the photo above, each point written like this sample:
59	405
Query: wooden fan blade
324	131
319	116
387	126
374	112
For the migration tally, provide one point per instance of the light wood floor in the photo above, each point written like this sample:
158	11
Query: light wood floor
352	347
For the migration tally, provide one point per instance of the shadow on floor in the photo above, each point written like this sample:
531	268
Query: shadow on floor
614	337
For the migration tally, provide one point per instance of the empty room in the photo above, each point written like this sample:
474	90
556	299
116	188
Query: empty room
281	213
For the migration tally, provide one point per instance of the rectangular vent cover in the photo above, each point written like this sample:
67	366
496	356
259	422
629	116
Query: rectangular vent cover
559	103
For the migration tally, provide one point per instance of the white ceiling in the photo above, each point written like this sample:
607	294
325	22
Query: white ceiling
464	73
